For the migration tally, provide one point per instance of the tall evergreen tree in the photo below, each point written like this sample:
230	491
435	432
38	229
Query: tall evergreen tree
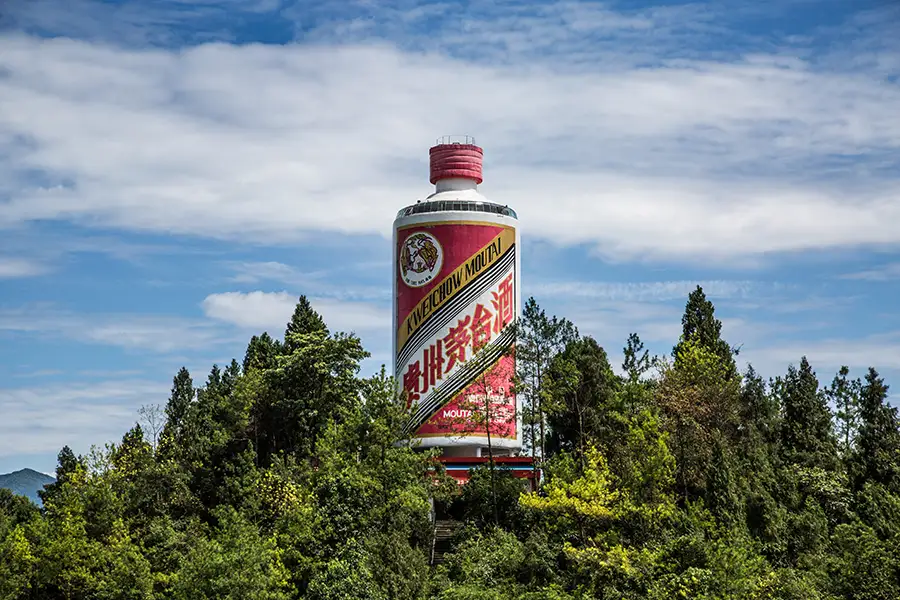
66	466
230	377
759	409
305	320
583	405
699	396
758	437
722	495
807	437
636	363
183	393
213	383
699	323
261	353
844	394
539	339
311	386
878	444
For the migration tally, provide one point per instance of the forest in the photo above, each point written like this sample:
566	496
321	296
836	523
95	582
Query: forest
674	476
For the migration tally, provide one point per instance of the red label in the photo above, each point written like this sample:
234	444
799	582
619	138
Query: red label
458	242
487	401
456	298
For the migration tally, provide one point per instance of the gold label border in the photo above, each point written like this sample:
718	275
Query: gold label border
458	280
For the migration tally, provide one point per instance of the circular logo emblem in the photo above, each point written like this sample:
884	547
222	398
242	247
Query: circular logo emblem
421	258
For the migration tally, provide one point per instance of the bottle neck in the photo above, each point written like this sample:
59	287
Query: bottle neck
454	184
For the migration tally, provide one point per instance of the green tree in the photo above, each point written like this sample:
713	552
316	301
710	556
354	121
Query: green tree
539	338
699	324
877	458
862	567
313	383
699	397
636	390
180	401
758	410
844	394
807	436
261	353
304	321
17	563
583	404
67	465
236	562
722	490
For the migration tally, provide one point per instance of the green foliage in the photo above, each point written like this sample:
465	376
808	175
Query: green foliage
806	433
862	567
288	476
701	328
492	559
17	563
844	395
699	398
582	402
474	505
236	561
636	389
539	339
877	458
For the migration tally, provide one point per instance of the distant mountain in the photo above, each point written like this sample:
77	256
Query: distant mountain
26	482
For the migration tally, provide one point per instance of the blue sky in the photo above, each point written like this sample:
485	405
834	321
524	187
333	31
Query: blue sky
174	174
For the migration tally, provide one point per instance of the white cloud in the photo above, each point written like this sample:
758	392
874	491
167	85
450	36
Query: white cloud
272	310
44	419
886	272
252	310
13	268
254	272
131	332
332	282
828	355
695	159
645	291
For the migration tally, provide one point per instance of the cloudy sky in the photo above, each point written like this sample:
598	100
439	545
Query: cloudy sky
173	174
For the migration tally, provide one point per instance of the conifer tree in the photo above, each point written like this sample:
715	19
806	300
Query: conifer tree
699	401
844	394
759	409
213	383
312	384
722	497
807	437
67	464
230	377
636	363
583	405
878	443
305	320
183	393
757	441
539	338
261	353
699	323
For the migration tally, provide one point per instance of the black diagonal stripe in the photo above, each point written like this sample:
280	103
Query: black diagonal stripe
461	379
439	319
436	402
467	374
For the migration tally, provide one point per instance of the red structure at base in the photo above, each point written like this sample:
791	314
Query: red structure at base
522	467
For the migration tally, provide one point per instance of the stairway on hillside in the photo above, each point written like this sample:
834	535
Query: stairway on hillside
444	530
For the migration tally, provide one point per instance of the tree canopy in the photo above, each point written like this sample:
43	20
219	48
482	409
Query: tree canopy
285	476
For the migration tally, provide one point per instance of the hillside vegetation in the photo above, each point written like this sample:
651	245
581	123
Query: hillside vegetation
280	477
